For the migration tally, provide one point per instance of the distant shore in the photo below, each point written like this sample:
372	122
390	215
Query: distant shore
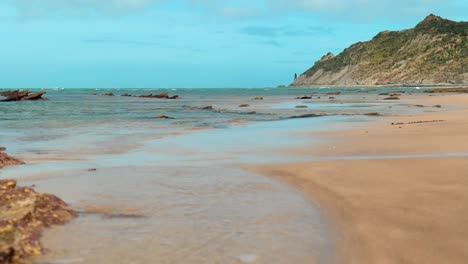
400	85
395	189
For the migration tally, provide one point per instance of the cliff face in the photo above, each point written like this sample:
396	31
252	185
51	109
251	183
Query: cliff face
433	52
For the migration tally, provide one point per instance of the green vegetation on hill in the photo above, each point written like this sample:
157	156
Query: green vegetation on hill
433	52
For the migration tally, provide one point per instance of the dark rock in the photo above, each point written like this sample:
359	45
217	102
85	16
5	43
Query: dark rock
392	98
92	169
334	93
108	94
35	96
210	107
173	97
301	106
126	94
373	114
305	116
258	98
331	98
164	95
304	97
17	95
244	105
437	106
165	117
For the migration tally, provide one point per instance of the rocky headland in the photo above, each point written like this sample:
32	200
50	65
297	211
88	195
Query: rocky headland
433	53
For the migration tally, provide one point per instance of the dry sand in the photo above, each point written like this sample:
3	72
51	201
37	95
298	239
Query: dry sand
392	210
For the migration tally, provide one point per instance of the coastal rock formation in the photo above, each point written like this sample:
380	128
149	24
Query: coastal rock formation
17	95
7	160
432	53
164	95
23	215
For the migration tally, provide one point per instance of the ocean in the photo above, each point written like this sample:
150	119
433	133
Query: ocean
172	190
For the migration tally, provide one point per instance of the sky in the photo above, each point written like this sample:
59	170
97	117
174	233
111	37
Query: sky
189	43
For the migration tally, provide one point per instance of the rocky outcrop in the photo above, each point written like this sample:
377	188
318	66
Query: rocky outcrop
24	213
435	52
17	95
164	95
7	160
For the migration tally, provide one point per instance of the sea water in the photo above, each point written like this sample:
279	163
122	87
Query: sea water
154	190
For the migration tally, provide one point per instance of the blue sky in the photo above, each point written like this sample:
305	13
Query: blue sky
189	43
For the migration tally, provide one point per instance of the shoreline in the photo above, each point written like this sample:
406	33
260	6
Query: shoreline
388	210
372	86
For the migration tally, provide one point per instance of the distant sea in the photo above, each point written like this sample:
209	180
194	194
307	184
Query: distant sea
181	174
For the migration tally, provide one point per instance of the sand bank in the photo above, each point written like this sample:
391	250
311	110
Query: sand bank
388	204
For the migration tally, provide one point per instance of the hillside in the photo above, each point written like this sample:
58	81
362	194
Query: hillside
435	52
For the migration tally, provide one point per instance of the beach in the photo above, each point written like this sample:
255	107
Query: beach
396	193
346	177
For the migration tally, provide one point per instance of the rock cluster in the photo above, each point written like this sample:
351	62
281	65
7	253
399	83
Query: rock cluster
17	95
164	95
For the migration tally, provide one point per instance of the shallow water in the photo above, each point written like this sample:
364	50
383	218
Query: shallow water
172	191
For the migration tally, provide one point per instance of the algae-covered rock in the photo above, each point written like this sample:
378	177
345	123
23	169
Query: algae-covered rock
23	215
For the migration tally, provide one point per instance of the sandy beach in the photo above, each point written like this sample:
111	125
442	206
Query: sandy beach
395	193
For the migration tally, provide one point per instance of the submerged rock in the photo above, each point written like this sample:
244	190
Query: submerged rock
244	105
165	117
305	116
373	114
392	98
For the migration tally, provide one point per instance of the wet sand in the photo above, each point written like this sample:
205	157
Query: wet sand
390	201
